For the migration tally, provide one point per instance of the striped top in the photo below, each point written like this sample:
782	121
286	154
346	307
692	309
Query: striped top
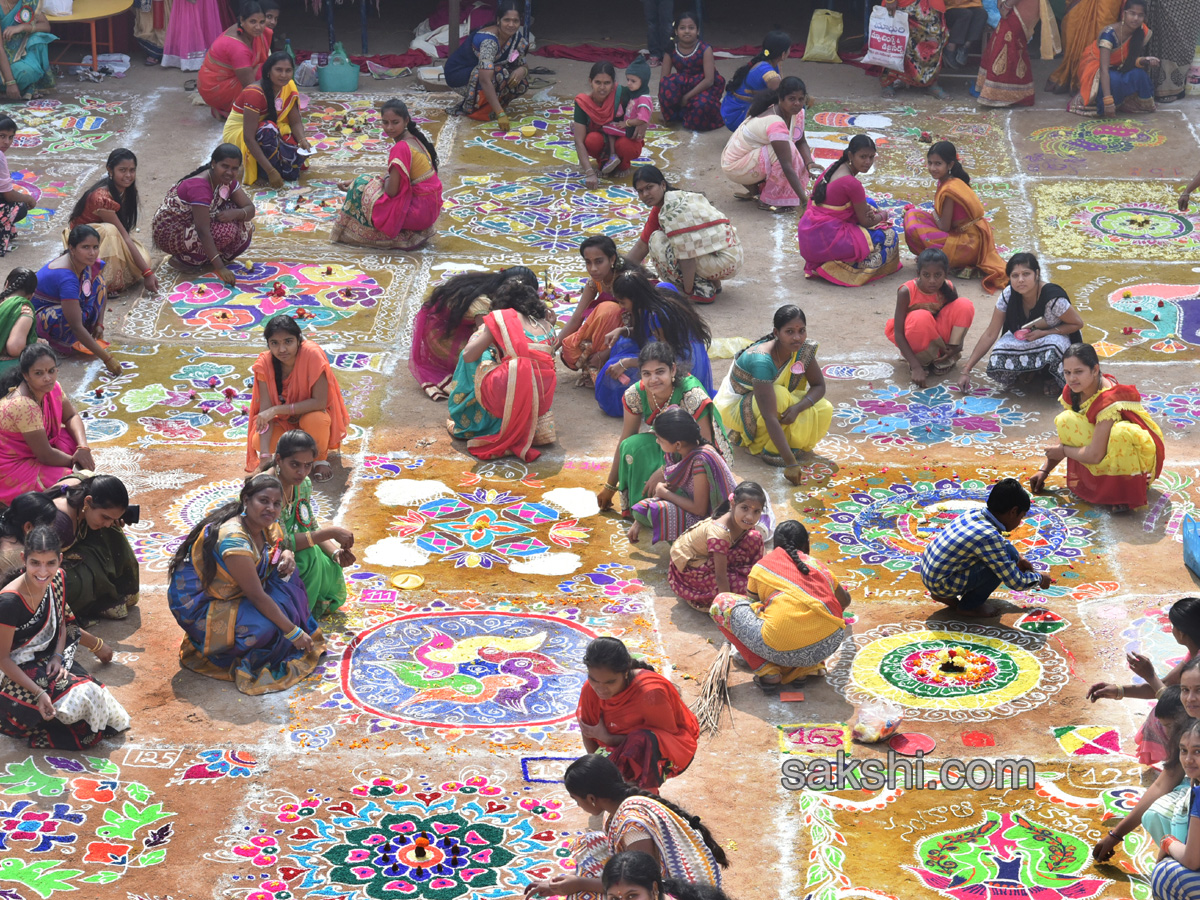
684	855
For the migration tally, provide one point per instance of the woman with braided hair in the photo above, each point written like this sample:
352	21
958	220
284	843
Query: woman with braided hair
637	820
791	620
638	876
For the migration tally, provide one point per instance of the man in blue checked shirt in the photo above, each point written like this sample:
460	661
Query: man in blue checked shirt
971	556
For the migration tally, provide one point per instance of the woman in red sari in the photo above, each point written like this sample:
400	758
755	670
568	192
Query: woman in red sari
1113	449
635	716
603	105
517	384
234	60
1006	72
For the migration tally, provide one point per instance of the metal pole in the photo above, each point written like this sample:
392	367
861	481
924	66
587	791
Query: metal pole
329	23
364	26
454	22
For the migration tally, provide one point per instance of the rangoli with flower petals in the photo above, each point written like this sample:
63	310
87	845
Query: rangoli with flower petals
899	416
1114	220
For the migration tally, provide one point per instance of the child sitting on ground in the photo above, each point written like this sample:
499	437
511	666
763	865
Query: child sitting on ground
931	320
15	202
1177	874
715	555
633	121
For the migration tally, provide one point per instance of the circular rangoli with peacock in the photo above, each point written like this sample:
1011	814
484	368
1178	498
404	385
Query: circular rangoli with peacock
954	672
891	526
468	670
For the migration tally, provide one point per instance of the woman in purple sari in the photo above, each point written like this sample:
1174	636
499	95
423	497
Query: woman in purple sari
448	319
693	480
843	237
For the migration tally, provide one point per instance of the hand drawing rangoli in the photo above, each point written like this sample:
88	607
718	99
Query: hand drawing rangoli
468	670
1150	635
1112	220
1096	136
1006	672
890	526
896	416
402	836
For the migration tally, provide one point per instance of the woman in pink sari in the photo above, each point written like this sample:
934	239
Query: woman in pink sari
517	386
843	237
234	60
41	436
396	211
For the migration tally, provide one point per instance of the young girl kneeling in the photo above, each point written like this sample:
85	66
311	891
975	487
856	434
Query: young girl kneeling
715	556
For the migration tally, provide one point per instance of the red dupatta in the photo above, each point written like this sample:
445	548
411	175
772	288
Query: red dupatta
1127	490
650	702
600	113
518	390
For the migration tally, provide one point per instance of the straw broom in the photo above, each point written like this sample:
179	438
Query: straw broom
714	694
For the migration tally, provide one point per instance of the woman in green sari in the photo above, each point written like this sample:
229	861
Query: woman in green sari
99	567
25	62
773	398
322	551
16	316
639	456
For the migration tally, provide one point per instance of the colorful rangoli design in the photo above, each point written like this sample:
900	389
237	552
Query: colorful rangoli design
1087	740
1100	136
298	210
48	197
1171	313
211	765
468	669
75	824
486	527
403	838
1011	671
1178	408
320	296
51	126
898	416
1150	635
891	526
1114	220
1007	855
553	211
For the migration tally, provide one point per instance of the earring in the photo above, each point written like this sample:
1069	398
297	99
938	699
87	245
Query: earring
242	511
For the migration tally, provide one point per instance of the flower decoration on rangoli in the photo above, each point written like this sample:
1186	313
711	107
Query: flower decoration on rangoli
1114	220
891	526
1001	672
1007	855
1179	407
321	295
896	416
443	841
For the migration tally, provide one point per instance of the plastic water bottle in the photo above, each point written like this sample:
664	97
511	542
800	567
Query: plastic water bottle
287	47
1193	78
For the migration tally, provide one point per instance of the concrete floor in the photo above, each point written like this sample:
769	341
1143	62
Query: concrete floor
235	772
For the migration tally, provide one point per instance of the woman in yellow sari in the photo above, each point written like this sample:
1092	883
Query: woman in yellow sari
957	226
793	617
265	124
1113	449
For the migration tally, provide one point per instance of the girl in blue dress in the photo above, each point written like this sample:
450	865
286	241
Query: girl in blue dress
760	74
68	305
651	313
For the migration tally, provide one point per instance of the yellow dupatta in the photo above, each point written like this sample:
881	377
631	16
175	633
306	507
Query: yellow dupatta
284	101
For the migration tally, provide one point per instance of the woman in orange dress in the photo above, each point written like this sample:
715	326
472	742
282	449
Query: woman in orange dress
1082	21
585	339
294	387
634	716
234	60
931	320
957	226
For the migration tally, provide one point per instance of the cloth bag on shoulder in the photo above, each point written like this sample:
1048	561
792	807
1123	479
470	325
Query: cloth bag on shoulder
823	36
694	226
887	39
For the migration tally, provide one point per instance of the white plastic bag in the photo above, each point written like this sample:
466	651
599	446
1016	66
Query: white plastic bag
877	720
306	73
887	39
58	7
